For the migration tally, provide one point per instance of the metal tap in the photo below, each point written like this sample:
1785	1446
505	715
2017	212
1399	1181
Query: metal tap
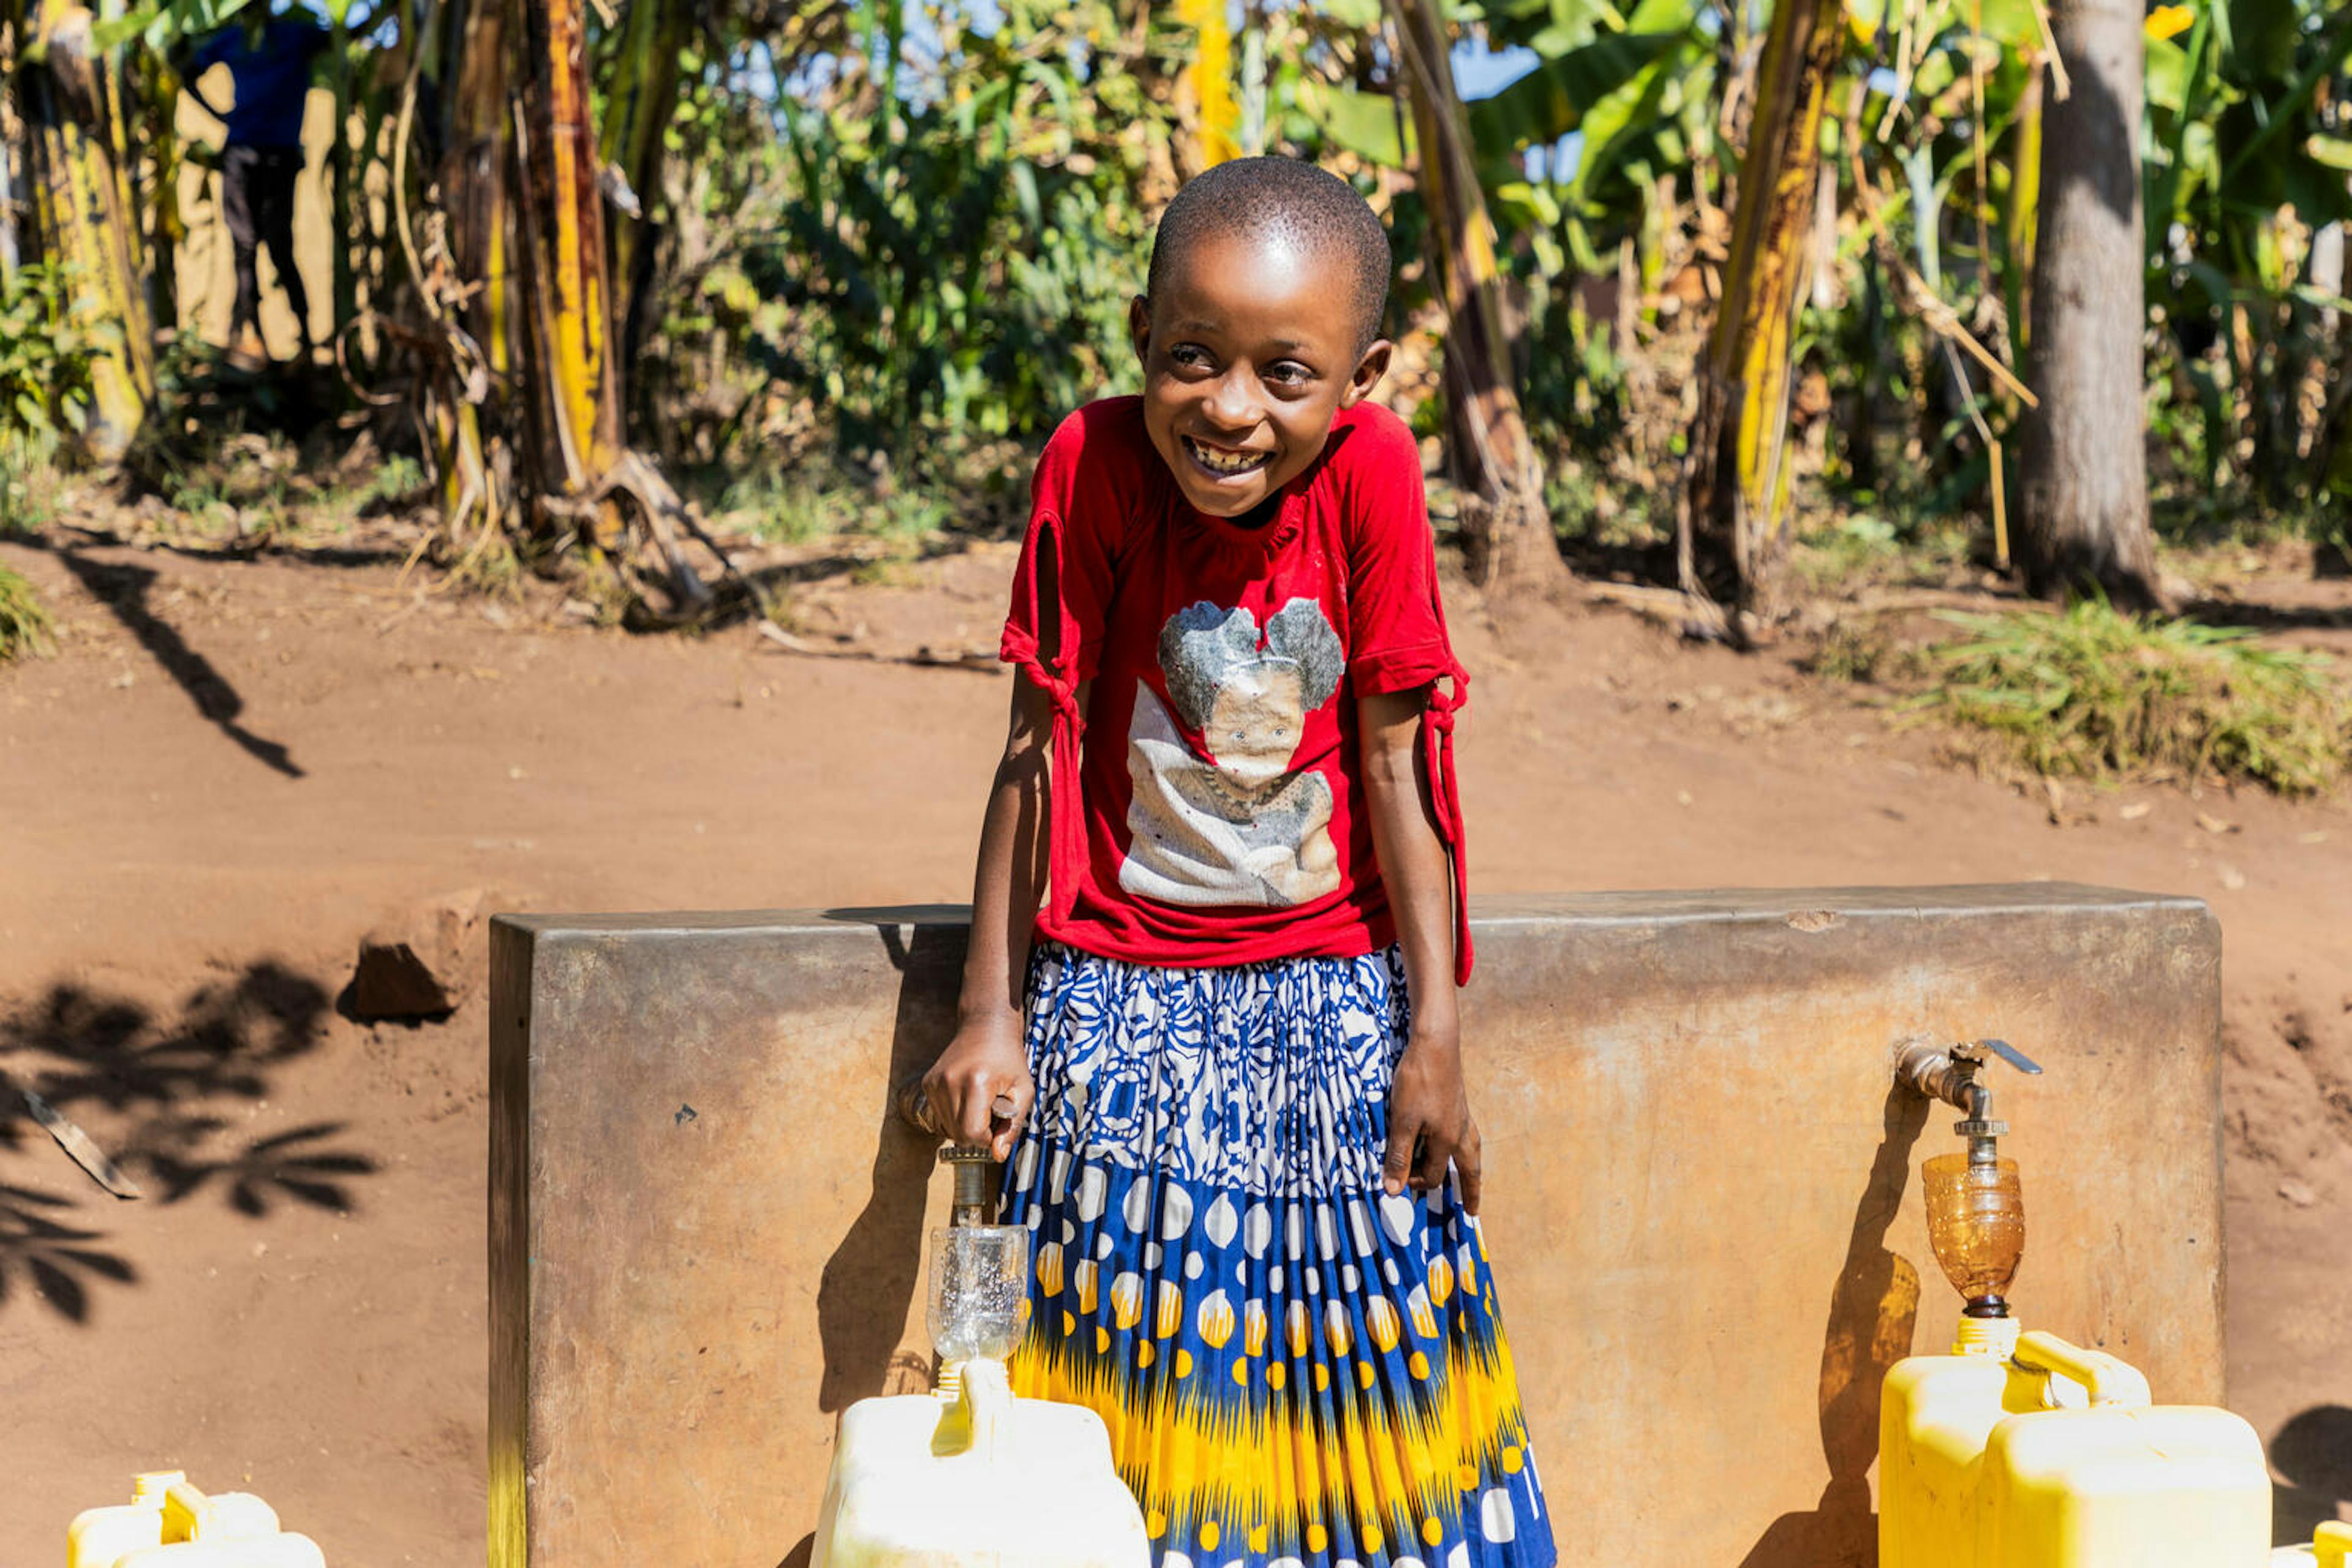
1948	1073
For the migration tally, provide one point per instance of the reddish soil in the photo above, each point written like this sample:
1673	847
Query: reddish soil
231	769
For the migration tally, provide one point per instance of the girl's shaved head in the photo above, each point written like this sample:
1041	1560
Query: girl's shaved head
1284	200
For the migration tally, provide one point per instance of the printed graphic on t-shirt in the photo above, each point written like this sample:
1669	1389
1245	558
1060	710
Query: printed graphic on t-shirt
1239	825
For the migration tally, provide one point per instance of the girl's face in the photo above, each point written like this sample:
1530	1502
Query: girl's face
1248	352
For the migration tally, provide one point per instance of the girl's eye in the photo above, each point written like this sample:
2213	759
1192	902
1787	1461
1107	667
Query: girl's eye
1288	373
1189	355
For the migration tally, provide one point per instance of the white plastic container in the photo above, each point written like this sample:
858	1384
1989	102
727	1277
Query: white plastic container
170	1524
100	1537
976	1479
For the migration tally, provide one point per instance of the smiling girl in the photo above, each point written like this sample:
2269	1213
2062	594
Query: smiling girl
1208	1012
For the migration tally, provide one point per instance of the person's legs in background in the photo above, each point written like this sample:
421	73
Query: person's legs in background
273	210
238	168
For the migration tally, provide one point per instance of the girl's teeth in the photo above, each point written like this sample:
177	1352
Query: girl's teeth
1224	462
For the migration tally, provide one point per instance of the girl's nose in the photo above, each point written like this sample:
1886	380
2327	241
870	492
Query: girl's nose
1230	403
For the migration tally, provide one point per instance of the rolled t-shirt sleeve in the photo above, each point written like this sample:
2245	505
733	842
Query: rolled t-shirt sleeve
1079	496
1397	638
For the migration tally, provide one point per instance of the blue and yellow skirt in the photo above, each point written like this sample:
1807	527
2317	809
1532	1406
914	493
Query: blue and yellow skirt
1297	1370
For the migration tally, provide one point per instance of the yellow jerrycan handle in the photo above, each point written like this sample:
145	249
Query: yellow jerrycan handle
2332	1545
192	1515
984	1401
2107	1379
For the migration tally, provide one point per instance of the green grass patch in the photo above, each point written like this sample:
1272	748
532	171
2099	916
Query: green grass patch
25	625
1863	651
794	508
1855	549
2093	693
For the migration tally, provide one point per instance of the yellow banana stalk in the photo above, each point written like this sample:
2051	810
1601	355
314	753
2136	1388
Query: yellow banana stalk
564	244
1207	84
82	216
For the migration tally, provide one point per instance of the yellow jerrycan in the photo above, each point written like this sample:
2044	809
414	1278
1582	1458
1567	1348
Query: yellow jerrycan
2331	1547
169	1523
2019	1451
2024	1451
968	1476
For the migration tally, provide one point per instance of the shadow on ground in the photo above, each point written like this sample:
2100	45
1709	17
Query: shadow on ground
162	1084
2312	1454
1873	1312
123	588
2251	615
869	1282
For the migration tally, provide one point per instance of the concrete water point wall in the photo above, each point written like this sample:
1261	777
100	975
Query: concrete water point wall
707	1235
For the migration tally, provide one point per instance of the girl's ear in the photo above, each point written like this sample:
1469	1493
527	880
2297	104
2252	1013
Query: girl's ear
1368	372
1139	328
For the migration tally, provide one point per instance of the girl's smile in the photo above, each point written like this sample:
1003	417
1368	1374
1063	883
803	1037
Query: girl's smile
1223	465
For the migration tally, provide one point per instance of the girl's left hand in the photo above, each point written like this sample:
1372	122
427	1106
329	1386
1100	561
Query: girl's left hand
1429	1108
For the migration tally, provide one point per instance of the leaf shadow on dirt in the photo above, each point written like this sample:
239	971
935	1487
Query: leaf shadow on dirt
168	1087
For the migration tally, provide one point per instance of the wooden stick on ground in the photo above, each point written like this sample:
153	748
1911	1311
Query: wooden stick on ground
85	1151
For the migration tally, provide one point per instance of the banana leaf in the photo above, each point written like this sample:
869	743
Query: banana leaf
1551	101
1365	124
2262	38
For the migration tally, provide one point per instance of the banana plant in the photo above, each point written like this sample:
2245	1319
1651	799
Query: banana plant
2248	155
1509	531
71	91
640	99
1731	531
966	266
1561	161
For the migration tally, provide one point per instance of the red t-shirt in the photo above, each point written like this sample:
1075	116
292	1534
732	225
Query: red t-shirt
1218	818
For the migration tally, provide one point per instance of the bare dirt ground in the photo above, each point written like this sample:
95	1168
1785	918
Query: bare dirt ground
231	769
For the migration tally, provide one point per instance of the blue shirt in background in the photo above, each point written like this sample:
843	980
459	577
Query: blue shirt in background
272	79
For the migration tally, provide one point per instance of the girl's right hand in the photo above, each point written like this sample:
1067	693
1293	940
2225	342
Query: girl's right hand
980	1090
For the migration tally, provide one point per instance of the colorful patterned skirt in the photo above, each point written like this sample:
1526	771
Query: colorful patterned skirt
1297	1370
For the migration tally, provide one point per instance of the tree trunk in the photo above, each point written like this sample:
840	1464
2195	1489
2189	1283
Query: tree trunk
167	228
2083	468
1732	520
1507	527
12	157
469	287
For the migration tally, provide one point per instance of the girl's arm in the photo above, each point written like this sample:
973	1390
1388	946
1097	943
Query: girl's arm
1427	1102
986	1058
